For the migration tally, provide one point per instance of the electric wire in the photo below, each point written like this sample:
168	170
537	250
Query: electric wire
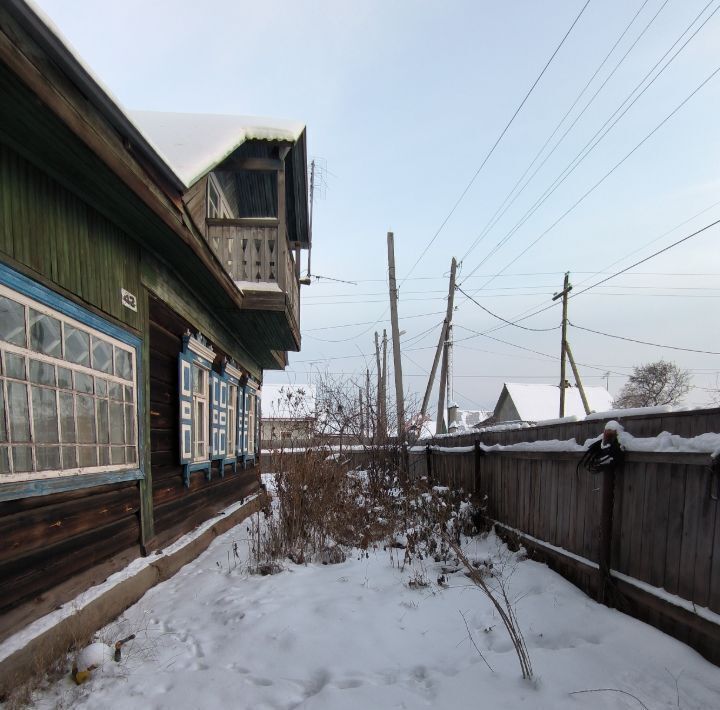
644	342
500	211
497	142
597	138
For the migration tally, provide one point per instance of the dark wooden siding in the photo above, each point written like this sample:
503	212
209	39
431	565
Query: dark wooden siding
48	539
63	242
177	508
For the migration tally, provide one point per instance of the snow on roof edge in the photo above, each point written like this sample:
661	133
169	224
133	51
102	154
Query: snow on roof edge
250	128
193	144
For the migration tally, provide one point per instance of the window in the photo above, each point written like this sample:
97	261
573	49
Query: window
217	206
232	421
199	412
68	395
251	447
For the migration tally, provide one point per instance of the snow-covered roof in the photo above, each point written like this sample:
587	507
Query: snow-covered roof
468	418
536	402
192	144
288	401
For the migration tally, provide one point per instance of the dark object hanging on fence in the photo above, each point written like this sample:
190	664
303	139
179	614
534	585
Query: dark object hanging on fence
604	454
714	487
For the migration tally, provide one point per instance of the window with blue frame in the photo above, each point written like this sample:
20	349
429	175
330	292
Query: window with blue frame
219	416
68	387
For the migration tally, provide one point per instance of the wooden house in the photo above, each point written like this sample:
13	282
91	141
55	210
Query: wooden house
531	402
149	274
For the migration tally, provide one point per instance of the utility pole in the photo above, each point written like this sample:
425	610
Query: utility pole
368	406
443	338
440	420
397	362
578	381
564	295
378	398
362	420
383	416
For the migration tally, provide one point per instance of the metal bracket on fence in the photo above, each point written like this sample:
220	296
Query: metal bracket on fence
714	484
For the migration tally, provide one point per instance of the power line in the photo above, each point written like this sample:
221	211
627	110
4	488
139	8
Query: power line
590	146
645	342
522	316
500	211
350	325
651	256
504	320
497	142
615	167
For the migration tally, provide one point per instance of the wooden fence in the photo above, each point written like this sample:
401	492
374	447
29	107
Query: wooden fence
653	527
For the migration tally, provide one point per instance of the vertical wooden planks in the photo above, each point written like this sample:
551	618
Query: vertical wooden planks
638	513
714	595
688	546
648	526
675	527
659	532
705	534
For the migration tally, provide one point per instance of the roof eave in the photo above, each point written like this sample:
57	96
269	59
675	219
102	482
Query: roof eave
56	49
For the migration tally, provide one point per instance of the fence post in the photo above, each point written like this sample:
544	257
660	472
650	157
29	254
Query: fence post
605	593
479	453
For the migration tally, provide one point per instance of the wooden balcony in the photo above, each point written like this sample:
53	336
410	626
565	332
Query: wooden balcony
259	259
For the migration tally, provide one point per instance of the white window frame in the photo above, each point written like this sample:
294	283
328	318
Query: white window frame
200	414
129	435
251	434
232	414
222	209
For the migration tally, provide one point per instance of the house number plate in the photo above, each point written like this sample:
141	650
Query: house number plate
129	300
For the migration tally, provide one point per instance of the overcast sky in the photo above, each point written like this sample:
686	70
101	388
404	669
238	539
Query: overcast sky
403	101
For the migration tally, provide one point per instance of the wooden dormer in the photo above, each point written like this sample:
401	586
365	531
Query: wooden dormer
248	199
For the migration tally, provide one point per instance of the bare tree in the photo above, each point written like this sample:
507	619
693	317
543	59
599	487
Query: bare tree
654	384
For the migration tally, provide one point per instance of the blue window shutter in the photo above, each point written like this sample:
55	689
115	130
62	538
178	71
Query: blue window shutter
244	421
257	423
239	421
218	416
185	389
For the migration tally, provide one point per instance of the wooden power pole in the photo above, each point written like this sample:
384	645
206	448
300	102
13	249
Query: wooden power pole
440	427
565	350
564	295
378	398
397	362
443	337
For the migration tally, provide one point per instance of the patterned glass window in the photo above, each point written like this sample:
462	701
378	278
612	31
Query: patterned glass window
251	434
68	401
232	410
200	412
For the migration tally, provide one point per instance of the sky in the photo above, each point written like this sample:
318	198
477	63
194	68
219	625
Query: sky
403	103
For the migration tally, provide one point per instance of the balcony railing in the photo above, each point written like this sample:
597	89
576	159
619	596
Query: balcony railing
256	258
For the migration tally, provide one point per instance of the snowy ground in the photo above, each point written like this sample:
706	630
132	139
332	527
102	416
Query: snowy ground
354	635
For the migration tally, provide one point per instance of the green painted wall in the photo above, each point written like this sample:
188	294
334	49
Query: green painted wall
63	242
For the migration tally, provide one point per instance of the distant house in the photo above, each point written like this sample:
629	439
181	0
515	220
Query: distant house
535	402
468	418
288	415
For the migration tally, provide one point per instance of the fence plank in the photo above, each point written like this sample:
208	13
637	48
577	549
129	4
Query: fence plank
659	533
638	477
688	547
705	534
675	528
714	598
